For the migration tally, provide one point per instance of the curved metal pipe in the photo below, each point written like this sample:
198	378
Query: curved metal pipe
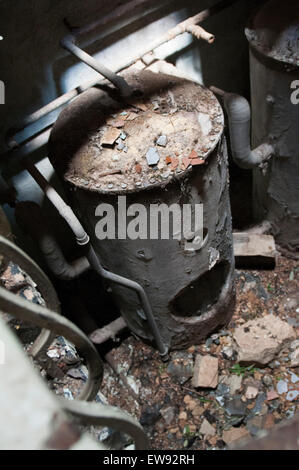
239	118
12	252
29	216
118	81
190	23
83	239
45	318
94	414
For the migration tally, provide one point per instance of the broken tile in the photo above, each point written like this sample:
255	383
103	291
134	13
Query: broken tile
192	155
186	162
197	161
292	395
120	144
110	136
272	395
205	372
294	378
282	387
174	163
162	141
152	156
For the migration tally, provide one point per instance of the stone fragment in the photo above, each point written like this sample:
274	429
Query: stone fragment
258	341
120	144
294	345
75	374
110	136
292	395
234	434
168	160
181	366
294	358
228	353
234	383
205	372
251	392
162	141
152	156
235	407
168	414
183	416
198	411
150	415
272	395
294	378
282	387
267	380
207	429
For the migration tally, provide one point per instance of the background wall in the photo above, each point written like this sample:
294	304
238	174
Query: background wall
36	70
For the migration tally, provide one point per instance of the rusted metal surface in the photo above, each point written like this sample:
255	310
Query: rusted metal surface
274	32
191	294
274	67
188	114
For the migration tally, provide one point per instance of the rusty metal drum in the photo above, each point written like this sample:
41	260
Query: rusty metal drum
164	147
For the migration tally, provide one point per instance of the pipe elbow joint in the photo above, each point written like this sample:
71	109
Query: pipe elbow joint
239	118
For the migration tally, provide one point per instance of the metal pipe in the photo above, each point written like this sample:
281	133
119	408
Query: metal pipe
118	81
94	414
29	216
65	98
45	318
109	331
239	118
11	252
83	239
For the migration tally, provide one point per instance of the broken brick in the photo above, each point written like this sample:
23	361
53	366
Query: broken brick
193	154
197	161
186	162
174	163
138	168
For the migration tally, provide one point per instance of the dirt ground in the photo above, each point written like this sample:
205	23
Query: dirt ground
169	408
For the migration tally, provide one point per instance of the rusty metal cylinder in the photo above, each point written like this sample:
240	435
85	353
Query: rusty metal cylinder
274	70
101	149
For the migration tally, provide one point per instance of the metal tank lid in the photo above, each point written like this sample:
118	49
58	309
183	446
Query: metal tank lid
102	144
274	31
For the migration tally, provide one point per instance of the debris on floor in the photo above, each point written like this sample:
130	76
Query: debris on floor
240	382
